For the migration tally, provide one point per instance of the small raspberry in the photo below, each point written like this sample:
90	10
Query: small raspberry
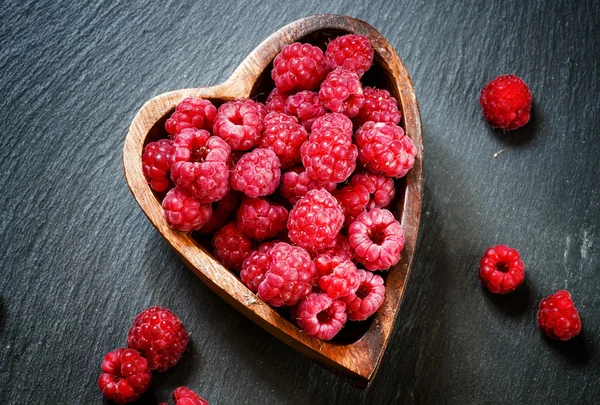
261	219
558	317
185	213
381	188
353	200
379	106
316	220
156	162
276	101
377	239
299	67
257	173
307	106
350	52
368	296
185	396
331	120
506	102
501	269
191	113
320	316
284	136
383	148
296	183
337	276
240	123
255	266
222	210
342	92
232	247
329	155
125	376
341	249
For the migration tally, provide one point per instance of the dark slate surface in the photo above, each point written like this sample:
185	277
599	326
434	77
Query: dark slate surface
79	259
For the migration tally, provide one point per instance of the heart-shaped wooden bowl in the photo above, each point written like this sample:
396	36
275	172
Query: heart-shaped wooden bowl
358	356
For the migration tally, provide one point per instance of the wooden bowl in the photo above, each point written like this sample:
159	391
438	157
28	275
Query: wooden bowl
358	357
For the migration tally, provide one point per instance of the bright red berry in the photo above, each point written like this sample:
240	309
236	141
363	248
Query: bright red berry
296	183
191	113
337	276
257	173
156	163
506	102
321	316
307	106
256	265
276	101
340	249
284	136
185	213
379	106
342	92
368	296
558	317
261	219
353	200
501	269
381	188
240	123
299	67
329	155
351	52
331	120
185	396
231	246
125	376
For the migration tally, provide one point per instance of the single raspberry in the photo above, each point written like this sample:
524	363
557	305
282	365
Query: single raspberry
379	106
185	213
331	120
260	219
200	165
159	336
232	247
350	52
191	113
316	220
353	200
185	396
329	155
307	106
284	136
299	67
320	316
341	249
558	317
255	266
125	376
383	148
156	162
337	276
276	101
240	123
377	239
506	102
257	173
296	183
342	92
368	296
222	210
381	188
501	269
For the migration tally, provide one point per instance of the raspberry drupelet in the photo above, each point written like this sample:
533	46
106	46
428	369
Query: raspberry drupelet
240	123
276	101
261	219
329	155
295	183
299	67
231	246
185	396
337	276
284	136
341	249
558	317
255	266
342	92
321	316
222	210
353	200
506	102
257	173
185	213
381	188
379	106
191	113
351	52
307	106
156	163
501	269
331	120
125	376
368	296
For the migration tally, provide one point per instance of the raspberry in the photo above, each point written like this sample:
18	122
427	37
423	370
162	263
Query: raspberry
232	247
316	220
240	123
383	148
296	183
333	120
191	113
353	200
381	188
368	296
320	316
379	106
221	211
329	155
125	376
501	269
342	92
284	136
558	317
276	101
506	102
299	67
350	52
261	219
185	213
341	249
156	162
185	396
337	276
377	239
307	106
255	266
257	173
200	165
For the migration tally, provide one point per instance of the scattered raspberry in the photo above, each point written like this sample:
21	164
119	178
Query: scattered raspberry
354	200
185	396
506	102
125	376
379	106
284	136
240	123
232	247
383	148
299	67
368	297
331	120
261	219
191	113
380	187
342	92
350	52
377	239
257	173
296	183
307	106
501	269
222	210
255	266
320	316
276	101
156	162
337	276
558	317
329	155
185	213
341	249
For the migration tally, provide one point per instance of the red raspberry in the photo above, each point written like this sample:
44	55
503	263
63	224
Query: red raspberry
331	120
276	101
156	162
329	155
221	211
377	239
316	220
350	52
257	173
159	336
284	136
185	396
506	102
380	187
501	269
232	247
354	200
383	148
558	317
379	106
299	67
368	296
125	376
342	92
191	113
255	266
337	276
240	123
320	316
307	106
185	213
296	183
261	219
341	249
200	165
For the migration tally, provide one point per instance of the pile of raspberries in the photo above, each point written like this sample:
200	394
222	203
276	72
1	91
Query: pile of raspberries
295	190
